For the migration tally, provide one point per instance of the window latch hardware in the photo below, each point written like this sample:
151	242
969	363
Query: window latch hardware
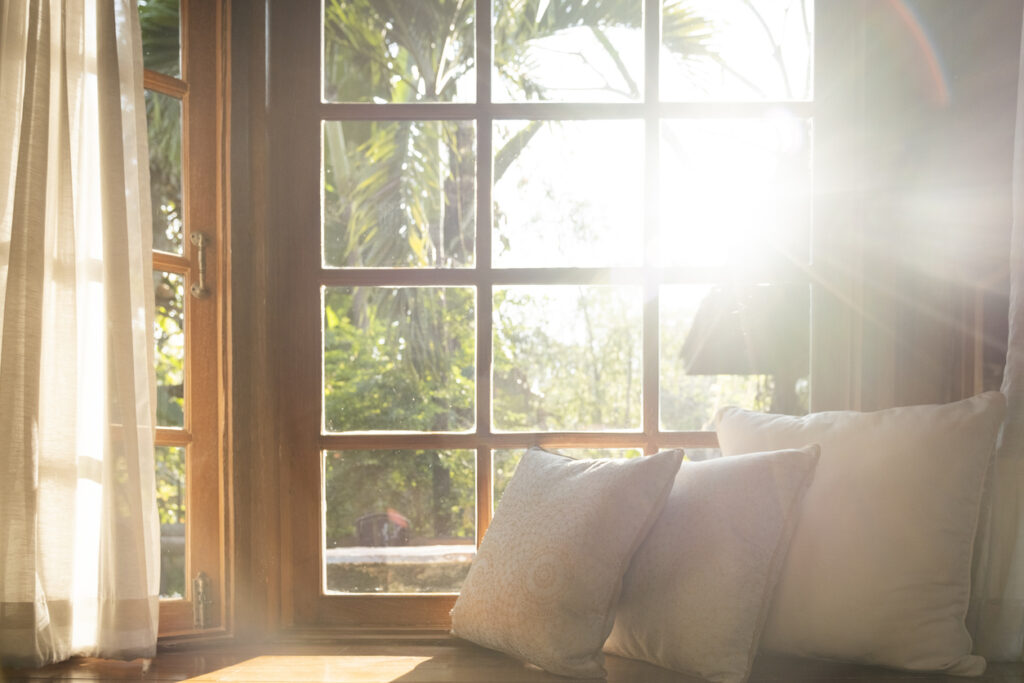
201	240
202	601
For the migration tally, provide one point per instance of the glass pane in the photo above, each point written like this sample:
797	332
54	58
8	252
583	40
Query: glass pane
399	193
568	193
504	462
169	338
161	36
743	346
728	50
399	358
567	357
399	51
568	51
399	521
735	192
163	118
170	501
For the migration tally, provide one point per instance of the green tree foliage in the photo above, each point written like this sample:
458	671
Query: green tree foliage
161	51
161	35
163	119
407	363
566	359
169	339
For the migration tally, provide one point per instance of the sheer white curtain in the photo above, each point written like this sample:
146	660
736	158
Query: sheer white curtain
79	534
997	610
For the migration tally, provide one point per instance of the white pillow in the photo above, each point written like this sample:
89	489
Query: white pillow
547	576
879	569
697	592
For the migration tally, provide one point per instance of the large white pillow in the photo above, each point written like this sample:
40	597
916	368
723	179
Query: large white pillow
697	592
879	569
548	573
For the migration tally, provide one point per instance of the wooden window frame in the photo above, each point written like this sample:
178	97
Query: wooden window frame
201	91
296	115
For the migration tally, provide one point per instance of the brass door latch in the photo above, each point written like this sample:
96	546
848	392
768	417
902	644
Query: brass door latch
199	289
202	601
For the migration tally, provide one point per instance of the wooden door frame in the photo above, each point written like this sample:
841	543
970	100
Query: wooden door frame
205	186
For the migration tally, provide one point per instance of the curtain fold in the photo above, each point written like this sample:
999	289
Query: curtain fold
79	532
997	610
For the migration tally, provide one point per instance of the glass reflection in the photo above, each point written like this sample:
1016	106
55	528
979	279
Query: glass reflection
735	50
399	194
169	338
163	118
160	21
505	461
735	191
743	346
399	521
171	502
568	51
568	193
399	358
567	357
399	51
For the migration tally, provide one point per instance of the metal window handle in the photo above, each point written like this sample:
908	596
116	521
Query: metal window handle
199	289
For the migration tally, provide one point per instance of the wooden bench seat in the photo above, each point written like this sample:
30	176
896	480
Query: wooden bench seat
422	657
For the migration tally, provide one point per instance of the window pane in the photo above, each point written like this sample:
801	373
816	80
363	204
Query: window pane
568	51
567	358
169	338
399	51
743	346
399	193
568	193
727	50
163	118
399	521
161	36
170	501
505	462
735	192
399	358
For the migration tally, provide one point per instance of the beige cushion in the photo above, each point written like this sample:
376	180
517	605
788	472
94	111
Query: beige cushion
879	569
544	583
697	592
